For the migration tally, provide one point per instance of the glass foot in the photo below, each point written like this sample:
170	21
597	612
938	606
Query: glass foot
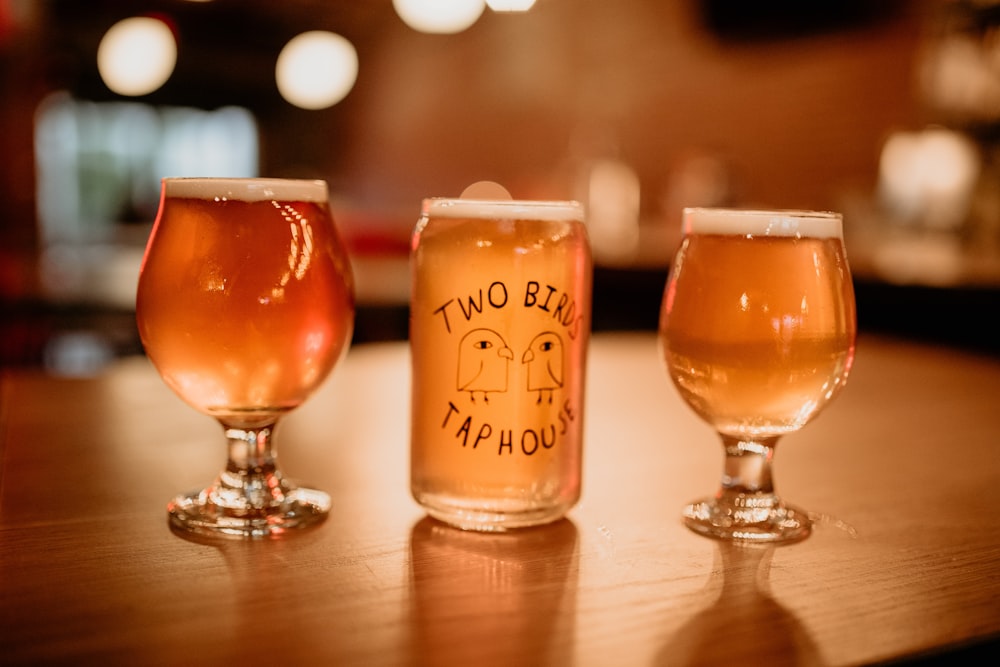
201	513
774	522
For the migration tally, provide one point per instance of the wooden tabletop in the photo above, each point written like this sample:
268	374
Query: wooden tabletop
902	470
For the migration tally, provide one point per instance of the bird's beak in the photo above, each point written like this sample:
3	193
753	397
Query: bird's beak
528	356
506	353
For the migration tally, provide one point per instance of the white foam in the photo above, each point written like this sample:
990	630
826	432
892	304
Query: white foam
246	189
815	224
501	209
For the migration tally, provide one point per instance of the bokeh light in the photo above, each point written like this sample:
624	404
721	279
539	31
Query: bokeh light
316	69
137	55
929	176
439	16
510	5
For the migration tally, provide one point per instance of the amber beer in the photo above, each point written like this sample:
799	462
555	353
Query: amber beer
499	327
245	300
758	321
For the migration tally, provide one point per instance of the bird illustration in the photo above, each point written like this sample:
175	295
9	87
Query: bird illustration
544	358
483	356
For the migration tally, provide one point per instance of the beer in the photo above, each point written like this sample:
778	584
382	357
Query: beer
499	327
245	301
758	323
757	328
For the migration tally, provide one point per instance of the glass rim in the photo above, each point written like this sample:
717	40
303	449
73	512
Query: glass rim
521	209
250	188
761	212
765	222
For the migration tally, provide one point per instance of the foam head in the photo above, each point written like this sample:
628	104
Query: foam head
815	224
246	189
499	209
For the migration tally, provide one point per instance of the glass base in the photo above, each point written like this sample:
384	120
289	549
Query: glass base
200	513
492	515
748	521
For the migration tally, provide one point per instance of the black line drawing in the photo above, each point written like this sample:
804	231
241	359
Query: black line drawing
483	357
544	361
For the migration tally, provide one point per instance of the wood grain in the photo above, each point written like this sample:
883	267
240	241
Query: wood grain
901	471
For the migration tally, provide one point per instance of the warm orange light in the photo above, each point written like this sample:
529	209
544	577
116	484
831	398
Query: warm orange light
510	5
439	16
929	176
137	55
316	69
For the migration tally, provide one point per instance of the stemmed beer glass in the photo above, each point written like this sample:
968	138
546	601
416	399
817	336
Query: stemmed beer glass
245	303
758	329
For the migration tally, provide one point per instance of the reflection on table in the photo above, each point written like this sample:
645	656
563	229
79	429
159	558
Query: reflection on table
901	471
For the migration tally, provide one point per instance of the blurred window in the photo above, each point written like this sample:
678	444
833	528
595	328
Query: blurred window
100	163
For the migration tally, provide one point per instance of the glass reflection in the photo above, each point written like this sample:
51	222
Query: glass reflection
743	624
499	596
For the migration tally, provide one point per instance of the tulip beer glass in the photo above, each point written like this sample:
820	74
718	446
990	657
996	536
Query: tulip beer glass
499	326
245	303
757	329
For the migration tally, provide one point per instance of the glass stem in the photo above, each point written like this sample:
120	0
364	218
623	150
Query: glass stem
746	476
251	481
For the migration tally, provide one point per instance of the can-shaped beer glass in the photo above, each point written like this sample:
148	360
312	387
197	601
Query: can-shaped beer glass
499	328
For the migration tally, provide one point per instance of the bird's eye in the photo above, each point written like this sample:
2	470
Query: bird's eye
482	345
547	345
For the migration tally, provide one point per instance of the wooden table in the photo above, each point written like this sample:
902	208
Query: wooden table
903	468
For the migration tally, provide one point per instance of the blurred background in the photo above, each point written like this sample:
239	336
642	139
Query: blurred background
886	111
